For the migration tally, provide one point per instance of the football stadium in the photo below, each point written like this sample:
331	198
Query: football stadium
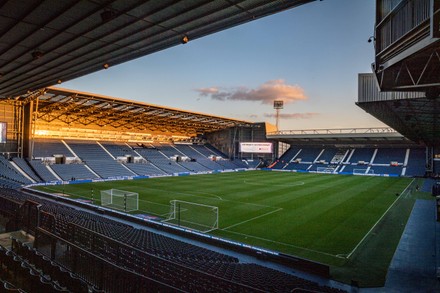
108	194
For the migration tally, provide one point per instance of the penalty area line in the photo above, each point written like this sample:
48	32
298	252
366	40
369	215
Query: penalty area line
254	218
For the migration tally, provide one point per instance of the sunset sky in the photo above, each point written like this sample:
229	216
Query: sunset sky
309	57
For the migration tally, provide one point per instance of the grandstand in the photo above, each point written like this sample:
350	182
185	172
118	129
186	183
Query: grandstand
90	154
379	151
60	139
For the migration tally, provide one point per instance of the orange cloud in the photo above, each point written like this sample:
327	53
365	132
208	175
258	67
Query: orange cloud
265	93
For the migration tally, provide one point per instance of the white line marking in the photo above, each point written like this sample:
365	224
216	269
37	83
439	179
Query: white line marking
218	197
378	221
282	243
188	194
254	218
155	203
273	184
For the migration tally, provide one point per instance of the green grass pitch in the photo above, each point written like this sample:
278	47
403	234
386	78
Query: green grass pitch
317	216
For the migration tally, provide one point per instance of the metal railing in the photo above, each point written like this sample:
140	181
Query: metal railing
334	131
398	18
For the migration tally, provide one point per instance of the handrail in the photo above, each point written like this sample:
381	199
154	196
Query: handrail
70	244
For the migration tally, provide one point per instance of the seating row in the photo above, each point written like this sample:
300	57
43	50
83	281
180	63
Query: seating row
74	238
395	161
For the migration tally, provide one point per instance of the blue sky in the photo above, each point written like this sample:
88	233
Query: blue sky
309	56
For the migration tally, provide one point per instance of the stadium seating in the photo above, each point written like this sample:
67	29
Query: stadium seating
327	155
387	155
227	164
252	163
387	170
169	150
22	164
209	151
309	154
106	160
286	158
125	259
213	151
362	154
189	151
118	149
48	148
210	164
161	161
73	171
89	150
99	160
298	166
91	159
350	168
145	169
357	160
109	168
194	153
43	171
416	163
10	174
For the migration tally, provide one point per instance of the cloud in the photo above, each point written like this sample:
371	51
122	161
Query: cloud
207	91
265	93
293	116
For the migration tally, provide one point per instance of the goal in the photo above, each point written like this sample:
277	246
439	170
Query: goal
122	200
325	170
196	216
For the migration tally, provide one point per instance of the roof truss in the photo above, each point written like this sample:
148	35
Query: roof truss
43	43
85	110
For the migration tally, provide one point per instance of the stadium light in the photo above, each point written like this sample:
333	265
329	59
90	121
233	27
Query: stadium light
185	39
278	105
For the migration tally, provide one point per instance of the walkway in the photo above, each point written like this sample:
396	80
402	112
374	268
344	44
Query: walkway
413	267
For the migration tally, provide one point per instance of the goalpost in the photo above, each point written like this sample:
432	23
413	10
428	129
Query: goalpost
196	216
122	200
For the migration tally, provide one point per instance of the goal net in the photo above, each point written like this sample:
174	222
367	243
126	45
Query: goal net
122	200
196	216
325	170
